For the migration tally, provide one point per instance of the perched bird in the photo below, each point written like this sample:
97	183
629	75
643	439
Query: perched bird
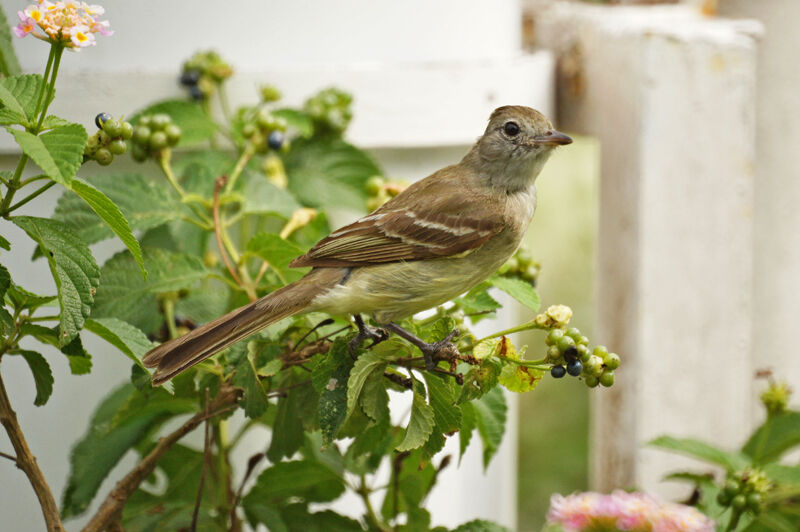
430	243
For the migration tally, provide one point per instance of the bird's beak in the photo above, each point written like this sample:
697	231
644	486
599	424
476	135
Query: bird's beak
552	138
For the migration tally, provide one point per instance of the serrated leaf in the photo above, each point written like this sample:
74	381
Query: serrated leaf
5	281
478	303
255	401
278	253
9	65
22	299
520	290
297	120
18	94
332	408
374	399
262	197
52	121
490	418
73	267
469	423
514	377
289	438
329	173
481	525
131	341
80	361
42	375
420	426
6	322
731	461
265	514
442	398
480	379
59	152
123	294
189	116
111	215
5	244
374	360
144	202
774	437
310	481
415	480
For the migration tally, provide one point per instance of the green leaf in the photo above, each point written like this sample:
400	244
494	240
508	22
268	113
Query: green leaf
106	442
42	375
774	437
297	120
123	294
189	116
702	451
22	299
9	65
414	481
479	380
420	426
783	474
131	341
59	152
329	173
469	422
144	202
478	301
368	363
374	398
278	253
490	417
52	122
80	361
111	215
442	396
255	401
518	378
289	438
5	244
5	281
481	525
332	408
262	197
18	95
74	270
520	290
266	514
310	481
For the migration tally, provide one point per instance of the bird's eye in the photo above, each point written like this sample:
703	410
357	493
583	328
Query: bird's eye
511	129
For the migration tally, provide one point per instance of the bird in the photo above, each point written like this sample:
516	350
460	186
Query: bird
434	241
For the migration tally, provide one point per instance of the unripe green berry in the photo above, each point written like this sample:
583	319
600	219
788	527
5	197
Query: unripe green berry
553	336
126	130
103	157
600	351
118	147
732	487
607	379
158	140
739	502
553	354
160	121
373	185
524	258
574	333
139	152
583	340
565	342
591	381
264	119
723	498
583	351
512	265
611	361
145	121
92	142
104	137
173	133
593	366
112	127
754	502
141	135
248	130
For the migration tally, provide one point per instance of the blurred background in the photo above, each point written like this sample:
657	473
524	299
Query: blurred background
670	225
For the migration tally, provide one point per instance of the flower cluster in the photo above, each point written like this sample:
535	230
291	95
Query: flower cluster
68	22
635	512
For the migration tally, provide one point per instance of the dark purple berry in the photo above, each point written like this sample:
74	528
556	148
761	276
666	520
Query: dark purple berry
558	371
190	77
275	140
574	367
100	119
196	93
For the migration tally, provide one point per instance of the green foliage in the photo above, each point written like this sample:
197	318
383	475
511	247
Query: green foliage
520	290
9	65
18	95
59	152
189	116
42	375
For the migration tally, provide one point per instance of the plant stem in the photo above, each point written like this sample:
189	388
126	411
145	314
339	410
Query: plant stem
364	492
51	88
113	504
206	459
735	515
44	80
519	328
33	195
165	162
244	158
27	463
219	231
169	316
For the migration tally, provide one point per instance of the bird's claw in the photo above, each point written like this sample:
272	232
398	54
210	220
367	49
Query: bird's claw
444	349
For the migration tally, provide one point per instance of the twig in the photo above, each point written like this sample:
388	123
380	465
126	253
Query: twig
27	463
115	501
206	455
280	391
399	380
12	458
218	184
251	465
323	323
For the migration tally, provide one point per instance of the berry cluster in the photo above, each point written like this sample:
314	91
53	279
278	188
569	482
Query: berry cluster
109	139
744	491
330	110
203	72
379	191
152	134
266	131
569	353
521	265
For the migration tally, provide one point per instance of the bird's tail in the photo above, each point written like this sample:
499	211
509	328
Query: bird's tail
179	354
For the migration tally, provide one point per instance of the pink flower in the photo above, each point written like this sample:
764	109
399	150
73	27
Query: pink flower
25	26
634	512
71	23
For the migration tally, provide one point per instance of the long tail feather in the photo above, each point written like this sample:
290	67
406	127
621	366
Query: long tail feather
179	354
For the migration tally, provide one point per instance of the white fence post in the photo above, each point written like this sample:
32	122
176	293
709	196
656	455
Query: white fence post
670	95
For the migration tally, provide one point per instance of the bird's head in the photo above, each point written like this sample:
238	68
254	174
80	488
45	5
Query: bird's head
516	144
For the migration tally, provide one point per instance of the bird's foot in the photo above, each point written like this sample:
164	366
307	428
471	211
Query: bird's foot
432	351
365	332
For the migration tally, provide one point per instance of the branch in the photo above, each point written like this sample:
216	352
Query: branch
218	184
206	457
27	463
114	503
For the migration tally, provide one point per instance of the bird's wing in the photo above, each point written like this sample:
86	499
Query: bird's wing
404	234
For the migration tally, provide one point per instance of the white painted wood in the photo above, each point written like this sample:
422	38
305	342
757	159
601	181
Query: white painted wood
670	95
777	192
